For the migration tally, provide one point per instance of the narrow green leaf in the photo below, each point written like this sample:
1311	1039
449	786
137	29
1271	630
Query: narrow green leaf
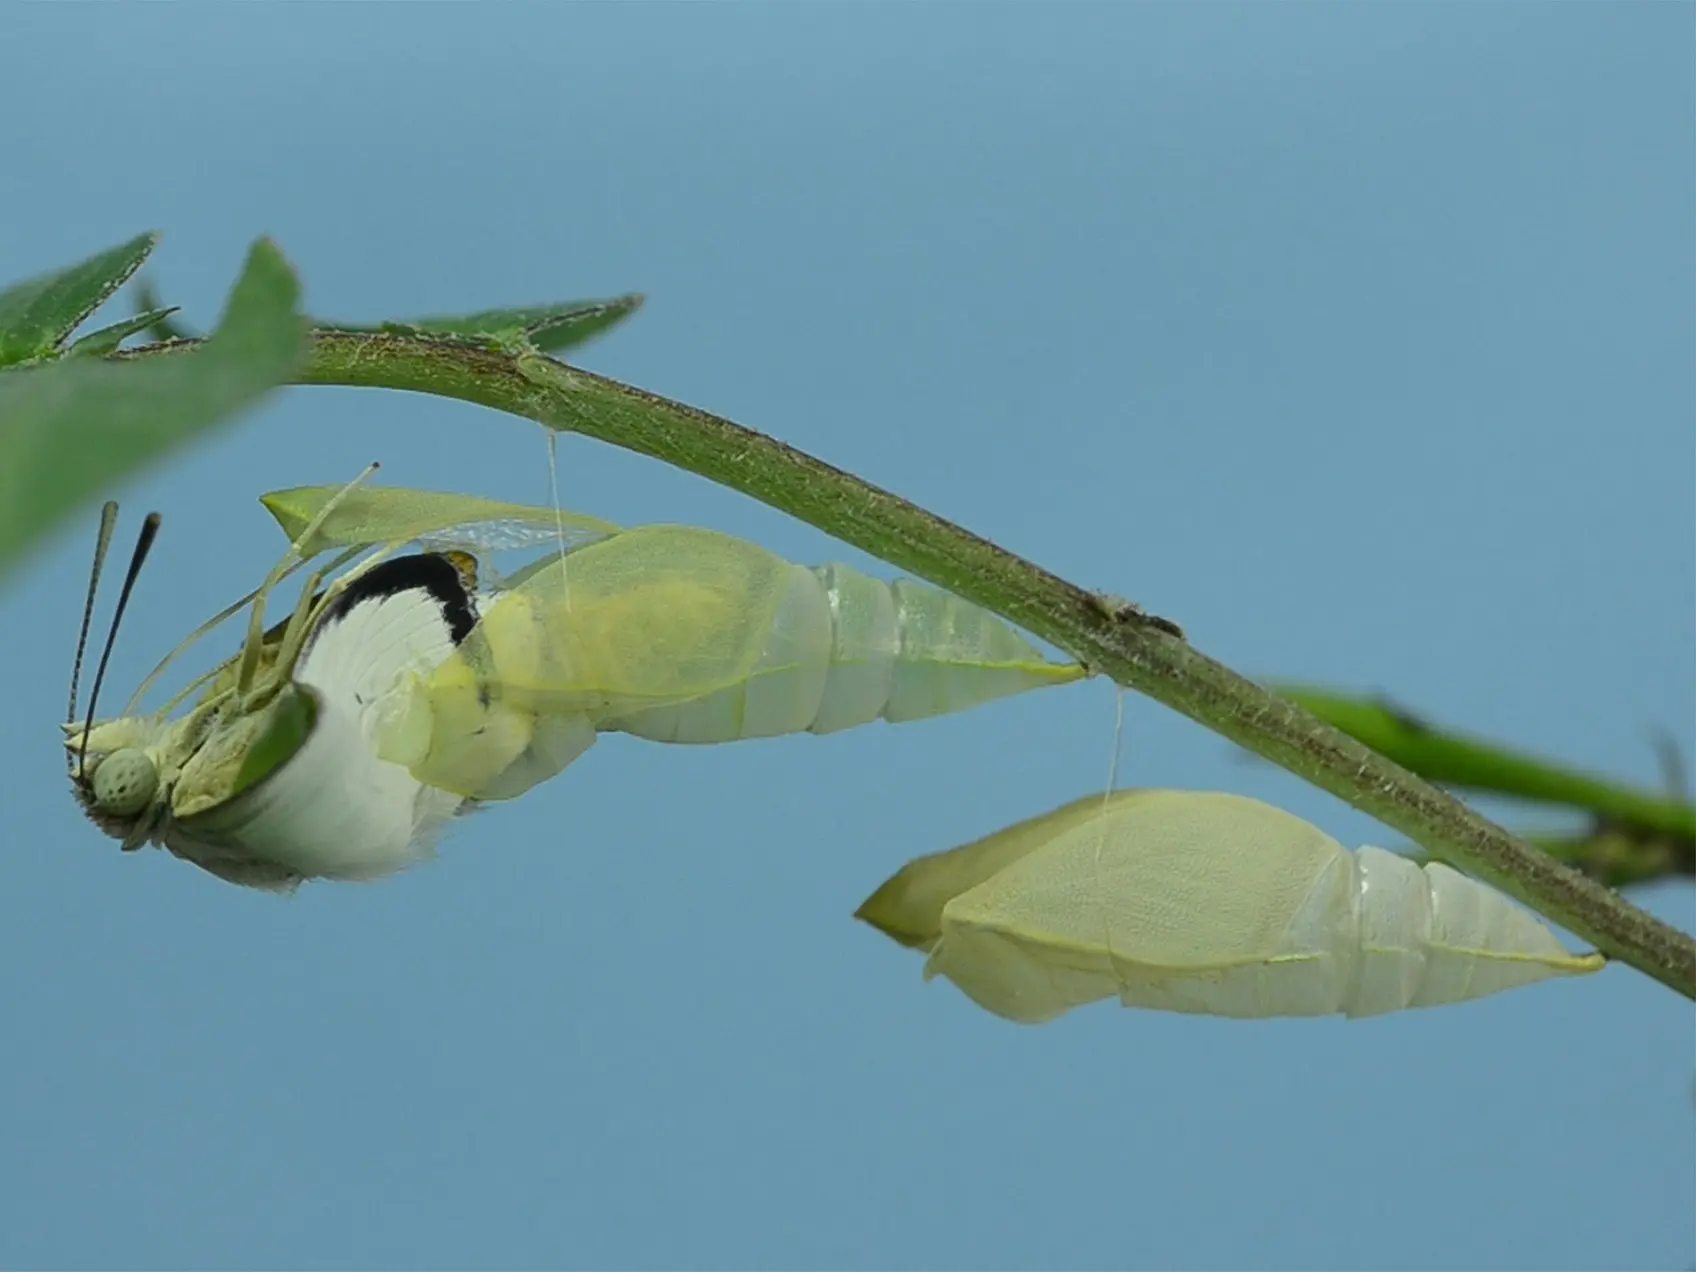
1622	858
293	717
38	314
146	297
97	344
71	430
549	328
579	325
1439	755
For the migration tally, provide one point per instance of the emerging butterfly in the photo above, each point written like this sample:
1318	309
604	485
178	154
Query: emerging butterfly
407	688
1207	903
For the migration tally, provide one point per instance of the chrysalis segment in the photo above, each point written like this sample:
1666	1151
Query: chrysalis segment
1395	932
864	644
1209	904
954	655
654	616
783	687
1481	942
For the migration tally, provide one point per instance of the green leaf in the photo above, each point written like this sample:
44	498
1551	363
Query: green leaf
1621	858
161	328
71	430
549	328
38	314
1454	759
293	717
97	344
579	324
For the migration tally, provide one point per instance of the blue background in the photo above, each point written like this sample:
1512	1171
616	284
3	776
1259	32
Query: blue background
1356	338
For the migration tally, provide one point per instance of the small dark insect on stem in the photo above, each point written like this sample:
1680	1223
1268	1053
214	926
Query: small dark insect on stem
143	545
1120	610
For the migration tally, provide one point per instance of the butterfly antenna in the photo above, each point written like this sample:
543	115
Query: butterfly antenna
108	521
133	706
143	545
297	553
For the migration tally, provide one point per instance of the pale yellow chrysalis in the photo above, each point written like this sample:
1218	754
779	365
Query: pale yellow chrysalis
671	633
1206	903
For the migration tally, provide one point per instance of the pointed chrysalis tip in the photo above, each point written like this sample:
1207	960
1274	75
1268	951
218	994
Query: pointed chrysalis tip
874	912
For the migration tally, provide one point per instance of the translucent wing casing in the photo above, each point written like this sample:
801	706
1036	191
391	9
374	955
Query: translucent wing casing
679	634
368	516
1206	903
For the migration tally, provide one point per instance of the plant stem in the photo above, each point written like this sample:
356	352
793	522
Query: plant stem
1137	651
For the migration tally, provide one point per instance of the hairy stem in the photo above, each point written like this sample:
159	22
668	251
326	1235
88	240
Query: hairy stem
1136	650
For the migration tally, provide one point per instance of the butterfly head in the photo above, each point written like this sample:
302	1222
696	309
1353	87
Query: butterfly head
119	773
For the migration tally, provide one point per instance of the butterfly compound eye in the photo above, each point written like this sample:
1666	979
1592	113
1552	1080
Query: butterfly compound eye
125	782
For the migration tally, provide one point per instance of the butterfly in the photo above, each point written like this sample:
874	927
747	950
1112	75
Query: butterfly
406	688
